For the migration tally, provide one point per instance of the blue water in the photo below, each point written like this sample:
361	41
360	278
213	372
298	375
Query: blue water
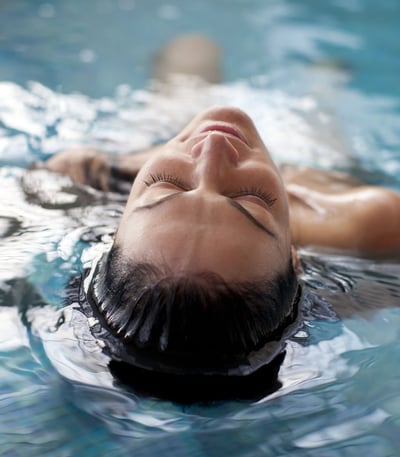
320	80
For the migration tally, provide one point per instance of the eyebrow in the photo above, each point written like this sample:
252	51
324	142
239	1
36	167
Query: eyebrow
231	202
249	216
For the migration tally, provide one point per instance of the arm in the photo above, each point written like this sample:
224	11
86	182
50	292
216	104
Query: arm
89	166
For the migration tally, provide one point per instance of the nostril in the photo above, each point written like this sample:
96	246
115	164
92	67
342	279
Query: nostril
216	146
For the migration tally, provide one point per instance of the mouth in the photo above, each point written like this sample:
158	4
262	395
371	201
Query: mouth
227	129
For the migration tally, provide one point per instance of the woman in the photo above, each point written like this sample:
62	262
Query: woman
201	277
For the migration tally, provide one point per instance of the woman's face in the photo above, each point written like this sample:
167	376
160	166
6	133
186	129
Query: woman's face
211	199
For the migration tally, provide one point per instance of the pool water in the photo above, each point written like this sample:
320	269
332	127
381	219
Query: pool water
320	80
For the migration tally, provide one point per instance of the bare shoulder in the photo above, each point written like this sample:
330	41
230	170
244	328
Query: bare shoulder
320	180
376	217
364	219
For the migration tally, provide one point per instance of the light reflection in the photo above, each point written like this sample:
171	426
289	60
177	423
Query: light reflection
13	334
334	434
69	345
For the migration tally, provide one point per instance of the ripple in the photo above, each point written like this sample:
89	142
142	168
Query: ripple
9	226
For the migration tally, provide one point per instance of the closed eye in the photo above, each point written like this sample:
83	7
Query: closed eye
267	198
166	178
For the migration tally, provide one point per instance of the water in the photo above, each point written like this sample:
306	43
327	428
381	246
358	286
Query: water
320	79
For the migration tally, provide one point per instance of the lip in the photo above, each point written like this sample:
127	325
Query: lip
227	129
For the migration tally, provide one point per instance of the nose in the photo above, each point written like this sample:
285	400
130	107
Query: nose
215	155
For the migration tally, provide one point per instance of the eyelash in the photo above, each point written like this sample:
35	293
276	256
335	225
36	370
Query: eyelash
164	177
266	197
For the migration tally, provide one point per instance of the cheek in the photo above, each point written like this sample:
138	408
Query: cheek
136	188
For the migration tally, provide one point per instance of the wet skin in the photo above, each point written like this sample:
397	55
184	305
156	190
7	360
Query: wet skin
211	199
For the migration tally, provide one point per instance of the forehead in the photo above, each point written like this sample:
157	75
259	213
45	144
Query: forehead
195	235
199	211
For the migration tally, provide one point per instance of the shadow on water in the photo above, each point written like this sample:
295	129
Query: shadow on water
193	389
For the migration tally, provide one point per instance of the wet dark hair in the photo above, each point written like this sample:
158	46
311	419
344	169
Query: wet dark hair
195	323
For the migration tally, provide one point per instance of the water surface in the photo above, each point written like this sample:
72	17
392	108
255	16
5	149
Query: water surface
320	80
